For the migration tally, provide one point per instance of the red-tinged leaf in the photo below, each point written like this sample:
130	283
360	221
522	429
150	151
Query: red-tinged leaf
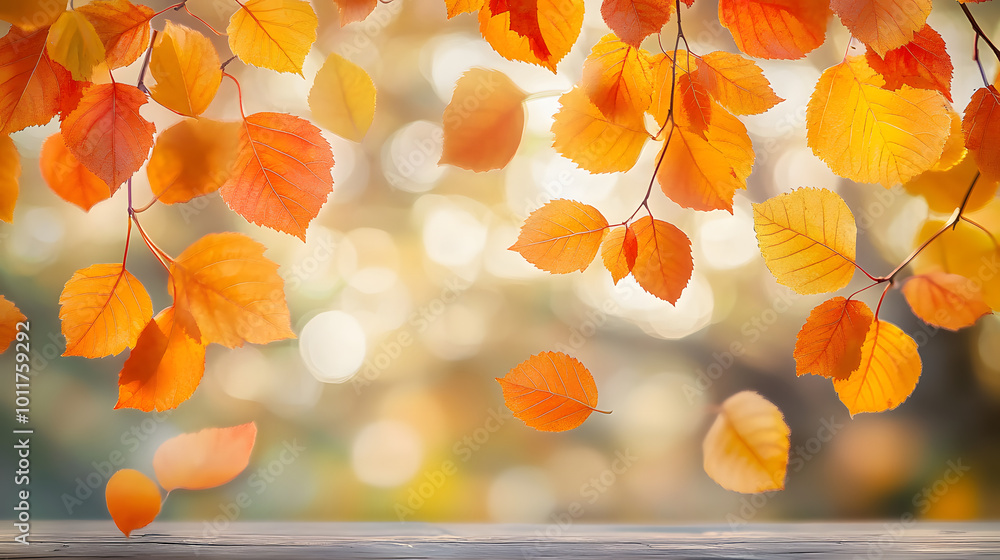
634	20
561	237
619	252
785	29
981	125
695	105
123	28
103	308
889	370
355	10
618	78
68	178
509	27
164	368
923	63
550	392
282	175
107	134
205	459
33	88
10	175
664	264
830	341
484	121
133	500
945	300
746	449
10	316
883	25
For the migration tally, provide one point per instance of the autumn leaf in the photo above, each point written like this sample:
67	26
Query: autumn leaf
133	500
484	121
103	308
808	239
954	147
33	88
192	158
274	34
923	63
73	43
355	10
618	78
982	130
945	300
663	263
695	105
829	343
550	392
746	449
342	98
882	24
965	250
890	367
785	29
163	369
634	20
225	291
736	82
31	15
553	26
944	191
456	7
68	178
562	236
619	252
205	459
186	69
10	316
123	28
282	173
10	174
596	143
107	134
873	135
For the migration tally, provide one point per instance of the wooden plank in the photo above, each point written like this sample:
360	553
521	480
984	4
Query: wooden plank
265	540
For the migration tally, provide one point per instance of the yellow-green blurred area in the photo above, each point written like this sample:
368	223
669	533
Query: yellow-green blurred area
408	304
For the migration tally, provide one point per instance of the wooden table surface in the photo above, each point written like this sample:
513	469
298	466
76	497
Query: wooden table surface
278	540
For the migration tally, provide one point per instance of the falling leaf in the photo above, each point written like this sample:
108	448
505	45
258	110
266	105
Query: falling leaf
944	191
225	291
192	158
73	43
550	392
561	237
619	252
107	134
186	69
923	63
274	34
10	174
890	367
205	459
829	343
558	26
484	121
355	10
808	239
342	98
634	20
123	28
785	29
282	173
663	264
68	178
163	369
882	24
594	142
133	500
10	316
33	88
982	130
945	300
31	15
618	78
873	135
456	7
103	308
746	449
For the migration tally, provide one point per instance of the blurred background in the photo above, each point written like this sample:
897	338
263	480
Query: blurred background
408	304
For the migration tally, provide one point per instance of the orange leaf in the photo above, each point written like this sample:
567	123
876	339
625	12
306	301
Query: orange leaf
618	79
355	10
550	392
107	134
945	190
274	34
829	344
982	130
33	88
954	147
133	500
68	177
746	449
594	142
923	63
186	68
663	264
695	105
619	252
282	173
163	369
776	29
634	20
945	300
192	158
808	239
123	28
103	308
456	7
10	316
30	15
205	459
10	173
561	237
965	250
882	24
225	291
736	82
890	367
484	121
553	27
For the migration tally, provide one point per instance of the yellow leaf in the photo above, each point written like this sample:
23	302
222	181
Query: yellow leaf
274	34
663	264
618	78
10	173
484	121
890	367
954	148
808	239
945	300
883	25
594	142
561	237
186	68
746	449
873	135
192	158
73	42
103	308
342	98
945	190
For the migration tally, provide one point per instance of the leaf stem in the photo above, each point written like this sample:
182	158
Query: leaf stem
239	93
882	297
145	65
203	22
980	33
965	201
